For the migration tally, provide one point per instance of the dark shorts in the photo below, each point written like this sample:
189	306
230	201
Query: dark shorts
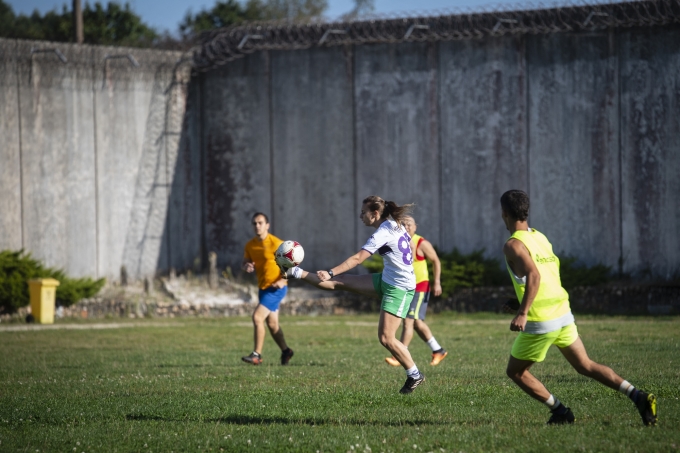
418	306
271	298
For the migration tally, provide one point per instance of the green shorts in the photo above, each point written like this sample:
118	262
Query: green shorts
394	300
534	347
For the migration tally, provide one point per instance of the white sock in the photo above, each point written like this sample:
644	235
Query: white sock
413	372
552	402
432	343
626	388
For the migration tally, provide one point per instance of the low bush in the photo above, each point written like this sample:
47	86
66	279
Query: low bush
573	274
474	269
458	270
17	267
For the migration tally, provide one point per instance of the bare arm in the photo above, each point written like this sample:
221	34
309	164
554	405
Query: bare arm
522	265
247	265
431	255
350	263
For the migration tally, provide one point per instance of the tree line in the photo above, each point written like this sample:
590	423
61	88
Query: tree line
117	24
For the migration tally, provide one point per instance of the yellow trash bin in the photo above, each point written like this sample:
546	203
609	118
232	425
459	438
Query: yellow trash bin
43	293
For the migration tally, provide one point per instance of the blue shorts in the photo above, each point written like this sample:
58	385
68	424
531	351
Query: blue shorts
271	297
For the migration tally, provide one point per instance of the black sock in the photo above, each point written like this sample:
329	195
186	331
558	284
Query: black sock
560	410
634	395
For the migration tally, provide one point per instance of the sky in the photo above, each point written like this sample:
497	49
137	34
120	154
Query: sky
167	14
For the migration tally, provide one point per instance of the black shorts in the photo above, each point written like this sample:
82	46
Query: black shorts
418	305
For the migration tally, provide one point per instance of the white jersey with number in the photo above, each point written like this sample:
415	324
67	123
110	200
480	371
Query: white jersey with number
393	243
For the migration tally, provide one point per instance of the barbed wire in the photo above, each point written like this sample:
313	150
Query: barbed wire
222	46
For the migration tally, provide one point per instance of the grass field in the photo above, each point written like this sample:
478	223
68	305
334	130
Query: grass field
179	385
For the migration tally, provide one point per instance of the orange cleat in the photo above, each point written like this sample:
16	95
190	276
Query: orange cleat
392	361
253	358
438	356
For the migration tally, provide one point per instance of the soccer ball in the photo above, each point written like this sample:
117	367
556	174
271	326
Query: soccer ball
289	254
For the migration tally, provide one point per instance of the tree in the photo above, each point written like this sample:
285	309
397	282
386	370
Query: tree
361	8
113	25
231	12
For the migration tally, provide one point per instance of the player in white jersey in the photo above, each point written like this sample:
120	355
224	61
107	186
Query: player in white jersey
395	286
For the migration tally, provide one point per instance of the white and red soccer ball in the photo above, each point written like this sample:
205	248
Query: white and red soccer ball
289	254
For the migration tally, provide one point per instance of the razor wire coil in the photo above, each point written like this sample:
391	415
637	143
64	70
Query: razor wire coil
222	46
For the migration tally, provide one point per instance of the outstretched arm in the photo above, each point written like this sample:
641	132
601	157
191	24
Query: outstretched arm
522	265
350	263
431	255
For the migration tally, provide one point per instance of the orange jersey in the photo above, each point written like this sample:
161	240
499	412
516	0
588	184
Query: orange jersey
261	253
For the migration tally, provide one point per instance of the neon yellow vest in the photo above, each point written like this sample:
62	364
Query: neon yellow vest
552	301
419	266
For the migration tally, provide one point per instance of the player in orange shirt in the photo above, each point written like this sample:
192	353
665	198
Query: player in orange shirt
258	257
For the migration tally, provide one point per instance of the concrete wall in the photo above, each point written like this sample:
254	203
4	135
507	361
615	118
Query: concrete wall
483	133
397	126
90	147
312	152
105	165
58	156
650	151
574	143
235	139
10	150
587	123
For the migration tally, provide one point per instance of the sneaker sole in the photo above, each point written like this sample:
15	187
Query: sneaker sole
411	389
250	362
651	399
437	361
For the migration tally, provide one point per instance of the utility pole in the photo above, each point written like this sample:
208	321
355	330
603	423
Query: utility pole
78	22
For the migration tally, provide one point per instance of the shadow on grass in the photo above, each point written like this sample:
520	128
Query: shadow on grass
252	420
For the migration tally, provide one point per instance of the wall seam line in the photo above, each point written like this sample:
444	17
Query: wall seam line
620	114
355	158
21	159
270	105
96	164
527	119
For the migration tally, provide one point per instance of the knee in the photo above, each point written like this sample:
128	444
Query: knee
273	326
257	320
385	340
514	374
584	368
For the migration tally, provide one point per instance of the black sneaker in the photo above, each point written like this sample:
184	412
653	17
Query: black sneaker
411	383
562	419
253	358
646	406
285	356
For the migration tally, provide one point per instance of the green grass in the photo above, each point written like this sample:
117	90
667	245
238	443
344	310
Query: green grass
179	385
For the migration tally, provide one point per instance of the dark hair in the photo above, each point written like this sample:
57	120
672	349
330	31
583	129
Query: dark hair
516	204
258	214
388	208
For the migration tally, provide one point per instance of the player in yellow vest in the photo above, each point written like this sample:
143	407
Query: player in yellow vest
415	319
544	316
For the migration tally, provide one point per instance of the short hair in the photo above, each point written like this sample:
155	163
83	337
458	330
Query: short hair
516	204
258	214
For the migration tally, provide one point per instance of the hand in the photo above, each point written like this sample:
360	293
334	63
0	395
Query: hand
518	323
248	267
278	284
323	275
437	289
